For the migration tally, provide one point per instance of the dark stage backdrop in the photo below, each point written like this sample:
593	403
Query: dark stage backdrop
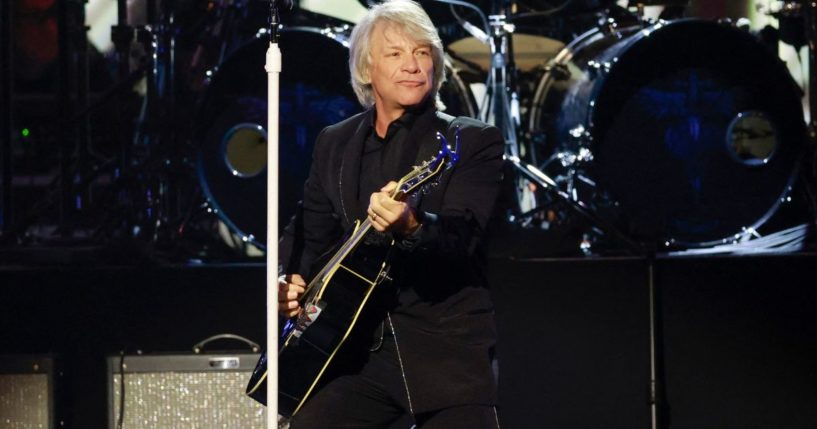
573	343
736	338
738	334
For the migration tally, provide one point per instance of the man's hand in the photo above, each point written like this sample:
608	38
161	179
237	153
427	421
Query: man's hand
390	215
290	288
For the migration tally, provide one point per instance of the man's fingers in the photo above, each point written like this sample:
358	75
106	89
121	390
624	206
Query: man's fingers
286	311
288	305
290	288
297	279
390	187
286	287
288	295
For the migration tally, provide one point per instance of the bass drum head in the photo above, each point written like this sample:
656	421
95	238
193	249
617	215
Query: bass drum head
695	130
232	159
314	93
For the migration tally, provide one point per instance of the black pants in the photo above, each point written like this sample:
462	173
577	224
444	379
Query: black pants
376	397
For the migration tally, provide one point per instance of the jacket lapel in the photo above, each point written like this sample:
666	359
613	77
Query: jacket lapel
350	170
422	134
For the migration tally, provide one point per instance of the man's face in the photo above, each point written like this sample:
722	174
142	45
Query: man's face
401	70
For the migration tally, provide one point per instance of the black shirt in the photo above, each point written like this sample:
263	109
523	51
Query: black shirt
383	158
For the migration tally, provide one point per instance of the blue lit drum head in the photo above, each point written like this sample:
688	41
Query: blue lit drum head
695	129
233	118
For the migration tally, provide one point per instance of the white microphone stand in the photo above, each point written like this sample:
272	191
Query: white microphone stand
273	68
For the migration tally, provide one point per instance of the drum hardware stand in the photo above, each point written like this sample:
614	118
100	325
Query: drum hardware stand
68	94
502	88
155	134
502	91
502	108
6	118
83	91
123	36
809	10
549	185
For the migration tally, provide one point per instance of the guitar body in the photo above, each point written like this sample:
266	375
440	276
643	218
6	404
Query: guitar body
304	354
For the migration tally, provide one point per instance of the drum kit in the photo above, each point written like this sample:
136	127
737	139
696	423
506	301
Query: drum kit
672	134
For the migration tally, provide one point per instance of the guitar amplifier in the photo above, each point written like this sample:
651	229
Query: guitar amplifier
182	392
26	392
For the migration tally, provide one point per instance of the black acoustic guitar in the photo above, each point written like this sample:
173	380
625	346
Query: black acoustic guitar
335	297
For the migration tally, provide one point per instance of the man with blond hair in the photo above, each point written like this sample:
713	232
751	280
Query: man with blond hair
421	354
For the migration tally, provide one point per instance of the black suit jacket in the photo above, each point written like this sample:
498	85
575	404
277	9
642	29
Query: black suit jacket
443	315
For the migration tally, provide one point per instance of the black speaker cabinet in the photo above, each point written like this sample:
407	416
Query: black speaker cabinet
182	391
26	392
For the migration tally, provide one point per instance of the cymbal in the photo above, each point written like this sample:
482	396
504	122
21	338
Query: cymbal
529	51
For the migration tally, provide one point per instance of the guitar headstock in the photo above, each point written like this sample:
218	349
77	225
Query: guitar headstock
424	175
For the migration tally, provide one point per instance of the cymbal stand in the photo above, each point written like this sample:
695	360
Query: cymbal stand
502	91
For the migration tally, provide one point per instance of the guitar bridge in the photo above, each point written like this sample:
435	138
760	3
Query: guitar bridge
311	313
384	276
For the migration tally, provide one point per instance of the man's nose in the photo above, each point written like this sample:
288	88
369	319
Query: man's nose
411	64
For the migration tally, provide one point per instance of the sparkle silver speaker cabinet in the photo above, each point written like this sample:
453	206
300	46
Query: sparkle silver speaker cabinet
182	392
26	392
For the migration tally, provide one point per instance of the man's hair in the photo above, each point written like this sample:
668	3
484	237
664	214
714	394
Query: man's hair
413	21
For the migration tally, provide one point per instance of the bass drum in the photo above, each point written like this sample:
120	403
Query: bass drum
232	118
684	134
